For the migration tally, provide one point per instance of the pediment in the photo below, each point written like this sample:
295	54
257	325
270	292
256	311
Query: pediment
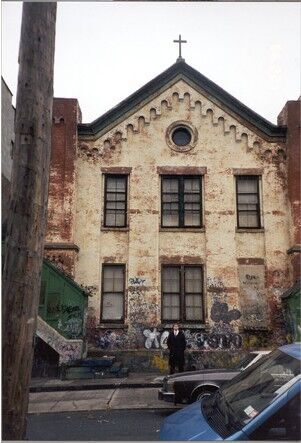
183	80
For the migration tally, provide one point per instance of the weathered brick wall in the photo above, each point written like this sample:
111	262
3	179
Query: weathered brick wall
61	203
290	116
225	144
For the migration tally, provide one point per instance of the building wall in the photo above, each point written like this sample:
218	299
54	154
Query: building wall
60	247
290	117
7	140
245	272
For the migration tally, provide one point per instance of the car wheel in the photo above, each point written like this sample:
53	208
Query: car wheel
199	394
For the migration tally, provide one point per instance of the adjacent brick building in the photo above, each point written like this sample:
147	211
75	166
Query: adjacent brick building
179	204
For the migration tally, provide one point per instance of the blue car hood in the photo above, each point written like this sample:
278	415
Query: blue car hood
188	424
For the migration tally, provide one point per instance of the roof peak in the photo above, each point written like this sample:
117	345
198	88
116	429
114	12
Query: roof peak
182	69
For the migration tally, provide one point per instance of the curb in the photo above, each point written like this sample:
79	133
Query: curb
90	387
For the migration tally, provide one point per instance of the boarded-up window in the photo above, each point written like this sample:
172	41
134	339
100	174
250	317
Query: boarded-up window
113	292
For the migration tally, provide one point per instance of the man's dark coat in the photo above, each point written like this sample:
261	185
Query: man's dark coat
176	346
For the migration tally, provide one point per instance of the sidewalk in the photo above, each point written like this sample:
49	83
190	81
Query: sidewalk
134	380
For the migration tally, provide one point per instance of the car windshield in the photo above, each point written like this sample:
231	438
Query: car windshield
254	389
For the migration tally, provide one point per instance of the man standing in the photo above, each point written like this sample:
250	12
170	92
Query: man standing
176	344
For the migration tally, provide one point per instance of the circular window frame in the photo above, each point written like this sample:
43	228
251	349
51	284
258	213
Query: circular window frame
177	125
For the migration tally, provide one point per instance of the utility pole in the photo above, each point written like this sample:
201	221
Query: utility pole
26	224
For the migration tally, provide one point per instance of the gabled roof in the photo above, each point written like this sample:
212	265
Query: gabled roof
178	70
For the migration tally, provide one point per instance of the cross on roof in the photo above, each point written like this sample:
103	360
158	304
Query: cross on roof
180	41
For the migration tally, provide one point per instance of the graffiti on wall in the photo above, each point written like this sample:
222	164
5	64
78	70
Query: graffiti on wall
141	303
253	297
194	340
71	321
153	338
221	314
142	306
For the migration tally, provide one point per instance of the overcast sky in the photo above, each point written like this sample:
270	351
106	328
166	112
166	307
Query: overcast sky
105	51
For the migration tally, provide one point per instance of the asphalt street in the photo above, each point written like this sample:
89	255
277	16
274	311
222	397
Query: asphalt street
104	425
132	414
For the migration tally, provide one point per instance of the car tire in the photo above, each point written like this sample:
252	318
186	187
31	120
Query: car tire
200	393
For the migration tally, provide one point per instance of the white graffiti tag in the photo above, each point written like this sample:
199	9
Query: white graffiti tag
151	338
163	339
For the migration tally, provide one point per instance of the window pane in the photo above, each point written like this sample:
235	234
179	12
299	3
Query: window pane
192	218
248	220
247	198
120	219
192	300
118	279
171	279
171	307
168	198
170	218
193	313
170	185
193	280
191	185
115	201
116	183
247	184
192	198
115	196
112	308
110	219
247	207
113	279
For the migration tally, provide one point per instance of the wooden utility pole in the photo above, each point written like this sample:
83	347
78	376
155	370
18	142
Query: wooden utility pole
26	224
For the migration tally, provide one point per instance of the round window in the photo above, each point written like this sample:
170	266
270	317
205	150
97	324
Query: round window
181	136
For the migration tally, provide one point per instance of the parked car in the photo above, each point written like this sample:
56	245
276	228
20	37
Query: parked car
261	403
187	387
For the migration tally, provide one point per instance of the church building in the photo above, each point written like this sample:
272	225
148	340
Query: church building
177	205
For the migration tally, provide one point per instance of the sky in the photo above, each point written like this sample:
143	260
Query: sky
105	51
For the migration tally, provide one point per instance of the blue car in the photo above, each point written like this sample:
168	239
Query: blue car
261	403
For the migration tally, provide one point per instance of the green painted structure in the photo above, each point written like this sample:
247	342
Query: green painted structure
291	301
63	303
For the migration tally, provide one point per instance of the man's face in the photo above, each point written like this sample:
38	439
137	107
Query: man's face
176	327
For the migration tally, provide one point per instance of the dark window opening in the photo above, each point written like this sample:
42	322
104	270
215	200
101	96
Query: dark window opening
181	136
248	206
113	293
181	201
182	293
115	204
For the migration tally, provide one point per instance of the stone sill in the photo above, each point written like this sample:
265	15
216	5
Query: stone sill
246	230
111	229
199	230
112	326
